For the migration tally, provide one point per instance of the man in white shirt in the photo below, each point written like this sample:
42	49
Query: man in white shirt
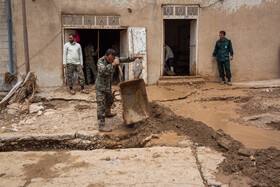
73	61
169	57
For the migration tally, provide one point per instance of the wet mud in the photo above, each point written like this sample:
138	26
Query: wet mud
261	166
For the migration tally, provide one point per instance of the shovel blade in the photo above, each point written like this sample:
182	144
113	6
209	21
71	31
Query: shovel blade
134	101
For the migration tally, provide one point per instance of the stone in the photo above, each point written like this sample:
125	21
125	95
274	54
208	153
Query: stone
246	152
33	127
40	112
12	111
252	158
14	125
218	134
49	112
149	138
15	106
58	137
224	143
87	135
35	107
29	121
14	130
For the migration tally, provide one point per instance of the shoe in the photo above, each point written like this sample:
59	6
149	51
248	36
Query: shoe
72	92
223	82
229	83
102	128
109	114
84	92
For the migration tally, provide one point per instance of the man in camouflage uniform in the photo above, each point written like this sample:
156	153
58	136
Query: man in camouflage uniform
73	61
222	50
104	96
90	65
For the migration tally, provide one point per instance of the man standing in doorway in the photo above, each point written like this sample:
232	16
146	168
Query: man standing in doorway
104	96
90	65
169	57
73	61
222	51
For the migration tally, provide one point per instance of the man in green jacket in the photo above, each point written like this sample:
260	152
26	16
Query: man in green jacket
224	54
104	96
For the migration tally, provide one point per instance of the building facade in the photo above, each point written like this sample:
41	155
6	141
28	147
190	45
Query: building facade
189	27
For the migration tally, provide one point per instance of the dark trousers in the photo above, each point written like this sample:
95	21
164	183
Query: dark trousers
222	66
170	62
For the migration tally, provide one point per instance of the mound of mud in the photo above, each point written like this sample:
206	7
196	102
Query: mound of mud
162	119
262	168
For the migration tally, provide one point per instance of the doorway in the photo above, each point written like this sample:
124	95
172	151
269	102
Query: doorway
181	36
108	38
127	42
100	38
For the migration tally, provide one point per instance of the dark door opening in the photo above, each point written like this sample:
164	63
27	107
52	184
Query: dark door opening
178	38
108	38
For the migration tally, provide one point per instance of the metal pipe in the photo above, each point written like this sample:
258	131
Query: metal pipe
10	36
25	38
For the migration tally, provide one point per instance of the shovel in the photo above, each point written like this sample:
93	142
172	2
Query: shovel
169	72
134	99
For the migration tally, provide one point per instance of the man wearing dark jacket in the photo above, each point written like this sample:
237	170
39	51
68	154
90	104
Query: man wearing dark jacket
224	54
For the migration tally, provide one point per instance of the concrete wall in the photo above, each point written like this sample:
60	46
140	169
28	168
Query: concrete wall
251	25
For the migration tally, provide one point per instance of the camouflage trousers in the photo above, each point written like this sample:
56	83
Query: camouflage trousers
104	100
91	68
71	68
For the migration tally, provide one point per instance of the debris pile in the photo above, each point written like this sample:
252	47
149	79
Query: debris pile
9	78
23	89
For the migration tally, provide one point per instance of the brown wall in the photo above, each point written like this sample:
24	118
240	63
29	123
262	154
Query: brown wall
256	42
253	30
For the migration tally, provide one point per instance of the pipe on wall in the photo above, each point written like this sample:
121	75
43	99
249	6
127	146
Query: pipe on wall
10	36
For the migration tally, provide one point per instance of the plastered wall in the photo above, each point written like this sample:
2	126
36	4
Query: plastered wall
252	25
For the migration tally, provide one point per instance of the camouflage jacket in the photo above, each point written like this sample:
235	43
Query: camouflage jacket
105	72
89	53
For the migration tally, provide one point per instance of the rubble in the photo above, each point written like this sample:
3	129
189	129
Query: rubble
35	107
246	152
23	89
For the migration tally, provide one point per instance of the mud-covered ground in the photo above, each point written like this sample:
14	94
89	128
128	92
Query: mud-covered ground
262	109
261	165
177	114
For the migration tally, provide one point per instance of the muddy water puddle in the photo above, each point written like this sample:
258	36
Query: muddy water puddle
218	115
224	108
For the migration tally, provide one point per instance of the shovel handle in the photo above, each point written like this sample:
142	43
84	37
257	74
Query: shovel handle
140	71
120	70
